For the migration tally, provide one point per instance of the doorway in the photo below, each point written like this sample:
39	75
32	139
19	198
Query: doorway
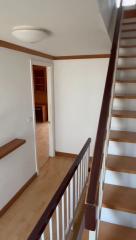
41	113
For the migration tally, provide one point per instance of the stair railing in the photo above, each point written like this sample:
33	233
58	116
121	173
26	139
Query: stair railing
58	217
93	200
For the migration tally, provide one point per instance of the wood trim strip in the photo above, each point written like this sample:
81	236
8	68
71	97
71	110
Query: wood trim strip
10	147
17	195
19	48
82	57
64	154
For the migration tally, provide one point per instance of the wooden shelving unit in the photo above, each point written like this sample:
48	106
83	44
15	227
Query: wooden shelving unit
10	147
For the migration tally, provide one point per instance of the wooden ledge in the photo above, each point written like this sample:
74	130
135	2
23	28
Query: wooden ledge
10	147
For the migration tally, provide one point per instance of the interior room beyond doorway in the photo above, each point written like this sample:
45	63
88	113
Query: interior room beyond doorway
41	113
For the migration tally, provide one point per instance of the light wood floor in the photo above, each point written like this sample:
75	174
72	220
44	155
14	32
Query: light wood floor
18	222
42	143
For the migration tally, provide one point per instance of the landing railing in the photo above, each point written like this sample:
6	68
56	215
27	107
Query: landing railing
57	219
95	190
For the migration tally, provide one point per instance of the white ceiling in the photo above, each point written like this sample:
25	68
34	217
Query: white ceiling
76	25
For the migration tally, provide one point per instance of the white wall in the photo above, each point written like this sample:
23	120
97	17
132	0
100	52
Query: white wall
16	121
79	86
108	11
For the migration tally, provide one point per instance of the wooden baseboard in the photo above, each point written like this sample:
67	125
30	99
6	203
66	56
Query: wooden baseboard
17	195
64	154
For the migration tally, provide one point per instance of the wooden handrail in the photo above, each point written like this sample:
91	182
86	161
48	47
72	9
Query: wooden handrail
10	147
92	194
43	221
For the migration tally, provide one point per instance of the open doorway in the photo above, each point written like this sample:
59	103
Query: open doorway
41	113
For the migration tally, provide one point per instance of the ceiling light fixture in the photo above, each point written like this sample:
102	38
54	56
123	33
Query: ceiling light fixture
29	34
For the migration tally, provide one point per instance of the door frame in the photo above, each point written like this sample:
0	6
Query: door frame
51	109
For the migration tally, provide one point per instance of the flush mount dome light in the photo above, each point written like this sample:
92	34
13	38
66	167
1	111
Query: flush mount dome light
29	34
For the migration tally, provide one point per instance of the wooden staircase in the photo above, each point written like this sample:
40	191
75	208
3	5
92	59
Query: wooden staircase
118	216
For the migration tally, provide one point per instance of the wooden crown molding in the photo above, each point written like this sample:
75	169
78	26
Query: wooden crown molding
19	48
82	56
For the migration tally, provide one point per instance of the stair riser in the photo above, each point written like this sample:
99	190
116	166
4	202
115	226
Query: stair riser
127	62
129	74
128	42
123	124
118	217
125	104
125	88
128	34
130	26
122	149
127	51
120	179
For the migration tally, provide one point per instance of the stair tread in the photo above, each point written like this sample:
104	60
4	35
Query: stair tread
127	96
134	37
122	136
124	113
119	198
109	231
127	56
128	23
121	163
127	46
127	68
126	81
129	30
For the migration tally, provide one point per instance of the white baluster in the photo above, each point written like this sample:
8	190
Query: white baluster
63	219
71	200
86	166
42	237
76	189
50	229
78	182
57	223
80	179
67	204
83	171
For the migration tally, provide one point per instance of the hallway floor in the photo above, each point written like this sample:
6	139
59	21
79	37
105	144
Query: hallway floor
18	222
42	143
